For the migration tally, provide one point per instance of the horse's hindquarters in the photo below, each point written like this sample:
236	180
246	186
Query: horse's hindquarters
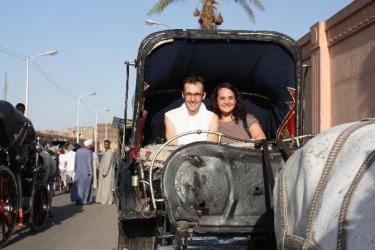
325	193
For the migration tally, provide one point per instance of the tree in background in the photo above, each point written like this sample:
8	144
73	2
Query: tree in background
209	17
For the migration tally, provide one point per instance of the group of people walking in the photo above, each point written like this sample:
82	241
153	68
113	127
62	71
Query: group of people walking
80	170
86	168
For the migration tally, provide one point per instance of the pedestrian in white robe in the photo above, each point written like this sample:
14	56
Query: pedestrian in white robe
62	167
106	175
70	158
95	164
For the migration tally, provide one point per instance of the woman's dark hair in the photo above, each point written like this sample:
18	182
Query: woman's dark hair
239	109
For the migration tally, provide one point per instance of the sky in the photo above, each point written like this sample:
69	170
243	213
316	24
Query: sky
95	37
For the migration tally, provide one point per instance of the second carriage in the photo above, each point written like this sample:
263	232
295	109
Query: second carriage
25	170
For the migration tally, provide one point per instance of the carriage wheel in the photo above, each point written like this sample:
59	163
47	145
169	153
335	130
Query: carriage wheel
40	207
9	202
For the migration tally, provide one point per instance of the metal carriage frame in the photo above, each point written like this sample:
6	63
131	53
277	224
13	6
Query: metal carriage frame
138	225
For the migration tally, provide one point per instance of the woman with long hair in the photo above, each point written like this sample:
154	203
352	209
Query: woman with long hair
233	120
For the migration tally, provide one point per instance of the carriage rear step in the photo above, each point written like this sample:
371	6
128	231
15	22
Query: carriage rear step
165	236
212	242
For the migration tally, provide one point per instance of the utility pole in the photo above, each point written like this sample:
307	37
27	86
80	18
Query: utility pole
6	86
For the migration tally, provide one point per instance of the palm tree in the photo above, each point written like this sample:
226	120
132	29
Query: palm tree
209	16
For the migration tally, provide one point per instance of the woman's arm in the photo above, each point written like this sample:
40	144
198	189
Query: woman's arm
256	131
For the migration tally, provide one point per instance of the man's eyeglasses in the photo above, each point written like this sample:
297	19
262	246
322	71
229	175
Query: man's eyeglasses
190	95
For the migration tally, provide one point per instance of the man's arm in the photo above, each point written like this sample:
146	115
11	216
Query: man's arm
107	163
170	131
75	162
91	164
214	126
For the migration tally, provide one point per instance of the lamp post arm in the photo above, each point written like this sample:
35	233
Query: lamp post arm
153	22
48	53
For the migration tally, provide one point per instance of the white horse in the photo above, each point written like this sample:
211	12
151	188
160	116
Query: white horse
325	195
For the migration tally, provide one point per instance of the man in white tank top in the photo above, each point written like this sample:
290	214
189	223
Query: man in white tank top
191	116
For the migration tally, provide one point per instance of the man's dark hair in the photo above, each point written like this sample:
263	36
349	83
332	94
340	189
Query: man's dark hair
21	107
108	141
192	79
239	111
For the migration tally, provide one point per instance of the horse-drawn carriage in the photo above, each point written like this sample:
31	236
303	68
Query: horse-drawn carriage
207	195
24	172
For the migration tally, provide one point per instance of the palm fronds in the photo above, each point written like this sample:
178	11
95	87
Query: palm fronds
258	4
248	9
160	6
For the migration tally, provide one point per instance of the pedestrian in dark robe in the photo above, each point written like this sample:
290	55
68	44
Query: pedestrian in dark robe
81	190
106	176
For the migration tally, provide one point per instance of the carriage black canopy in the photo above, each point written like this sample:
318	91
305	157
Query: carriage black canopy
11	123
264	66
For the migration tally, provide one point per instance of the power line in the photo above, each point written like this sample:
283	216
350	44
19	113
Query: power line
37	67
86	106
11	54
49	79
53	82
57	86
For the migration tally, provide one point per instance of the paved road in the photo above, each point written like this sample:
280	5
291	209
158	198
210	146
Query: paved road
72	227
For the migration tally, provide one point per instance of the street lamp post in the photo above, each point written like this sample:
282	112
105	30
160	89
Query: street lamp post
106	126
29	60
153	22
96	128
106	129
79	101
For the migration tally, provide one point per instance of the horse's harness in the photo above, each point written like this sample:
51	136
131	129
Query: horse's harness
307	243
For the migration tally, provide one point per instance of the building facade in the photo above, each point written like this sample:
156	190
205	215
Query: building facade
105	131
340	55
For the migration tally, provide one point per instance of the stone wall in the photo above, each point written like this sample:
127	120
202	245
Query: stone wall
340	53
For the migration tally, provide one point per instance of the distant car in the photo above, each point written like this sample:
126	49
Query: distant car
204	194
